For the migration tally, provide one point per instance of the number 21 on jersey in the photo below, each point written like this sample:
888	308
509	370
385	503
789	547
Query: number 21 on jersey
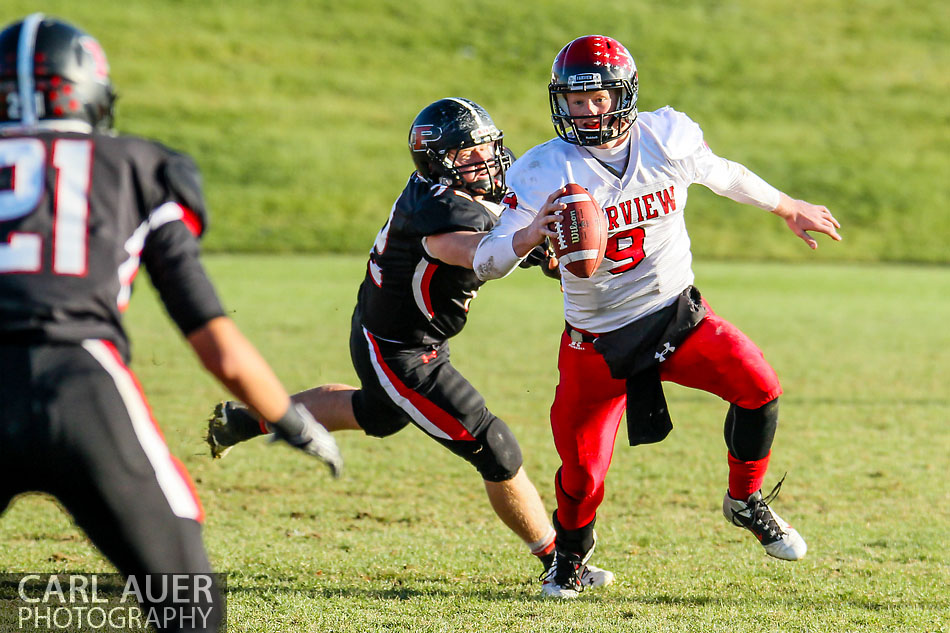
23	163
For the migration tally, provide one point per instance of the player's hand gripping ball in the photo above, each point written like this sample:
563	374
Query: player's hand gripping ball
582	234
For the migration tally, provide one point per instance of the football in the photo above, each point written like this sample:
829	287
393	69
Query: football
582	234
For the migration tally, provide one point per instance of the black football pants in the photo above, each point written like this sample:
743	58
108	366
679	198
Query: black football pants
75	424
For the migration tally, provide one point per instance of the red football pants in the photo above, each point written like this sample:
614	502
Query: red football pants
589	404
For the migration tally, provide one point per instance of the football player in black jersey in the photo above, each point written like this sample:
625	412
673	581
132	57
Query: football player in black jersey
415	296
80	209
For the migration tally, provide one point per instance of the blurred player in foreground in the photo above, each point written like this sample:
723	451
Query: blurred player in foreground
638	320
414	297
80	209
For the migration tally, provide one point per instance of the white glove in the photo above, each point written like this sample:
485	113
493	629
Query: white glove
299	429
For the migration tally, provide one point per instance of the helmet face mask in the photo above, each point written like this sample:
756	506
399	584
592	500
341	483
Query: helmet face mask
442	132
52	72
591	63
479	177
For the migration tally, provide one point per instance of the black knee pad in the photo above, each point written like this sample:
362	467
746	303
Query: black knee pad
749	432
495	453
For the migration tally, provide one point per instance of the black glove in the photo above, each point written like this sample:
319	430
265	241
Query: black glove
299	429
537	256
542	256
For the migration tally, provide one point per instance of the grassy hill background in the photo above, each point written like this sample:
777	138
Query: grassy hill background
298	110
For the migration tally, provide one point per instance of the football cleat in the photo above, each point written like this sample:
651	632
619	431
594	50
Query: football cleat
561	580
779	539
570	574
229	424
592	576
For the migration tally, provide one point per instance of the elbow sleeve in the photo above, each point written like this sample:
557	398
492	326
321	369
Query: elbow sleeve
734	181
495	257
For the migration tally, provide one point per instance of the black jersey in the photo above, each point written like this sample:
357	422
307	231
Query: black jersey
78	213
408	296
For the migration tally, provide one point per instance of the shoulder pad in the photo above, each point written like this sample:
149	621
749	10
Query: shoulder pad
538	172
676	133
445	210
184	182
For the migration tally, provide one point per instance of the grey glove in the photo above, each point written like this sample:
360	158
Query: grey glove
299	429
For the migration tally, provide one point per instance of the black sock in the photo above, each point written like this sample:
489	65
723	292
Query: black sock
576	542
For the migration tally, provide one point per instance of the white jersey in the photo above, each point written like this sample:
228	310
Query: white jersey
648	260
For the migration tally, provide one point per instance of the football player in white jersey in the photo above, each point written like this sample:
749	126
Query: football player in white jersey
638	320
414	298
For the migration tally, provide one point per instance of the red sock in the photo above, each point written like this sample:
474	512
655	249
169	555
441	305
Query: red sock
544	545
746	477
544	549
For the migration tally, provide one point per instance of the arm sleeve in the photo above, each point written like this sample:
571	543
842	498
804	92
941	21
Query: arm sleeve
732	180
495	256
171	256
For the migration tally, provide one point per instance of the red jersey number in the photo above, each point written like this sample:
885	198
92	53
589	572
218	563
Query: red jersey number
626	249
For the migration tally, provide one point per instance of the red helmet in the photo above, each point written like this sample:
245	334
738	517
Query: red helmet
593	62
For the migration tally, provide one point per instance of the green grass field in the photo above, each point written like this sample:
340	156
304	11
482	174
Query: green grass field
297	112
406	541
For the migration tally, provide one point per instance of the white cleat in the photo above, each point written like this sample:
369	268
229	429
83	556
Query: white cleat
577	579
570	574
595	576
779	539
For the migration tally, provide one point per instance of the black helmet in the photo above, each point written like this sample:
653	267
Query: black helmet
593	62
49	71
454	124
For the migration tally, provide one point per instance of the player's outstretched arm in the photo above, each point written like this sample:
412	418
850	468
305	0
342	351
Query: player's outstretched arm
456	248
801	217
519	230
236	363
